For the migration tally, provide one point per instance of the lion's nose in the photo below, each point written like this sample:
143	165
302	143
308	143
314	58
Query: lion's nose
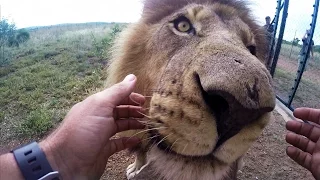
243	95
230	114
217	103
224	104
248	84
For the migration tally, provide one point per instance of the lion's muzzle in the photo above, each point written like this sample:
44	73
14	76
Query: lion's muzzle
237	88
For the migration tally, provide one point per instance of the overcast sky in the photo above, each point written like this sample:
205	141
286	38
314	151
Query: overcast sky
26	13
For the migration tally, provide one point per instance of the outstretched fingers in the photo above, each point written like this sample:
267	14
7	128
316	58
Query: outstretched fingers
304	129
302	158
308	114
300	142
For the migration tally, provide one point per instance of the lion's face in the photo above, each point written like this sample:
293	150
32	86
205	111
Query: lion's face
203	65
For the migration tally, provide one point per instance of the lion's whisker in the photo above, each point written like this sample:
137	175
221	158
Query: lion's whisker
144	115
174	143
185	148
150	124
135	101
164	139
150	138
147	130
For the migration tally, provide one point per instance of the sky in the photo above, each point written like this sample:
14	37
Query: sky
26	13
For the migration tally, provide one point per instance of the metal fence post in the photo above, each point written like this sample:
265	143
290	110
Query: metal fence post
273	42
279	43
306	53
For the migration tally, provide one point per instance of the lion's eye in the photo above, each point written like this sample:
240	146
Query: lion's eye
183	24
252	50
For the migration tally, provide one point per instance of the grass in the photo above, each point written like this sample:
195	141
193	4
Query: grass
292	52
41	80
38	122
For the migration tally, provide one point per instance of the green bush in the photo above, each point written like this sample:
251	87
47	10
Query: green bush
18	37
22	36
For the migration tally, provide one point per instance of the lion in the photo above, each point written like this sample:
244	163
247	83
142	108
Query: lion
201	66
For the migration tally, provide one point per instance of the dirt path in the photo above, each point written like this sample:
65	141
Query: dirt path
265	160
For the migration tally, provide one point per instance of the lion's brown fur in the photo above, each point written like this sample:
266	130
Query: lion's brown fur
187	75
155	10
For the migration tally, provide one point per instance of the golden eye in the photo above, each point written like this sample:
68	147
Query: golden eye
183	24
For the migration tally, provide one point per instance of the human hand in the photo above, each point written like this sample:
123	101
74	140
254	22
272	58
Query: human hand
305	139
81	146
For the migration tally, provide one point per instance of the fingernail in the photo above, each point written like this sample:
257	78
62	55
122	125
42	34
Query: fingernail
129	78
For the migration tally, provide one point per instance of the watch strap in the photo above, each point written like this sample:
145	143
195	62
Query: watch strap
32	161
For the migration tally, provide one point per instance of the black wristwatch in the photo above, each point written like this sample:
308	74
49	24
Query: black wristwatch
33	163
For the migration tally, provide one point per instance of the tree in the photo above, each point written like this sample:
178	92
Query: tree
7	31
10	36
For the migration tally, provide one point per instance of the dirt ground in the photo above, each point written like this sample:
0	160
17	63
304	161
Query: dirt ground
266	160
308	93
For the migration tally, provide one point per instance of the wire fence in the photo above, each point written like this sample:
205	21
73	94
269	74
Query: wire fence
296	69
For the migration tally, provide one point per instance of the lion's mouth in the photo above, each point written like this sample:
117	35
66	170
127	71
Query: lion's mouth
218	106
230	117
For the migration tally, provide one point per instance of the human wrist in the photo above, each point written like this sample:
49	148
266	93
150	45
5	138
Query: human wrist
56	159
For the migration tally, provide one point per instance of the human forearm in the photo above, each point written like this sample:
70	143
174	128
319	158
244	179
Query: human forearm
9	168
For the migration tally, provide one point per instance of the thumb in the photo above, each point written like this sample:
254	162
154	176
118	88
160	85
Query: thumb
116	93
